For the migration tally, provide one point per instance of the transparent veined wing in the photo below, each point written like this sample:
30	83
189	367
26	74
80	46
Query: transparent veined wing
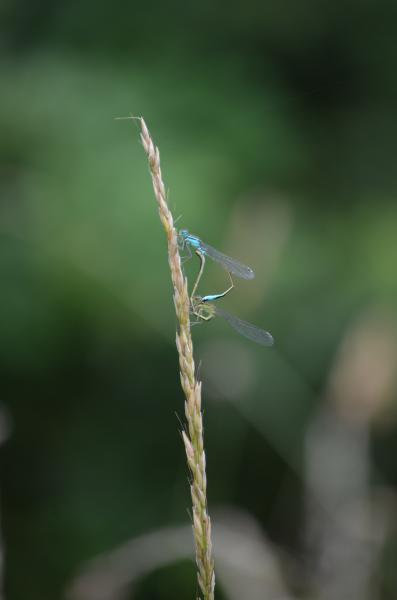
253	333
230	264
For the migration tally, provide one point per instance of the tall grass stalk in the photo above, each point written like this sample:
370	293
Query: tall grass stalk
193	436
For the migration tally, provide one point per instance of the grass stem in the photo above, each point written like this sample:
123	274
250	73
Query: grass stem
193	436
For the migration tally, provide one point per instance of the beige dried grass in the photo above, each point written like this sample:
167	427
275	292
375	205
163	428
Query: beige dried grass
193	436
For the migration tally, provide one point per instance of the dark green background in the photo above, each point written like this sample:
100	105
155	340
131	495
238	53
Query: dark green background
277	127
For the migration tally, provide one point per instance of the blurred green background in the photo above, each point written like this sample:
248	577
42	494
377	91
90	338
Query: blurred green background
277	127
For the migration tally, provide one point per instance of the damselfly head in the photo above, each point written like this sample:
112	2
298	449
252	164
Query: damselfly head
182	235
202	310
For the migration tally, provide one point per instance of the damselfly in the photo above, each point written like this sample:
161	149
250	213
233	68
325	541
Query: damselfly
230	264
204	310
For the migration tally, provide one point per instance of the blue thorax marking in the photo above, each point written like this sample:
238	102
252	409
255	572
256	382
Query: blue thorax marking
190	239
194	242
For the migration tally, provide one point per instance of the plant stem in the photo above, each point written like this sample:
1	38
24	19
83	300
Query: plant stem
193	436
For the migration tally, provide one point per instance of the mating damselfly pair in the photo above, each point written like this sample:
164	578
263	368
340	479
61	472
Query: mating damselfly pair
203	307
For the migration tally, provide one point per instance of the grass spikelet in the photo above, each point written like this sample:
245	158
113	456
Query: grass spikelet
193	437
